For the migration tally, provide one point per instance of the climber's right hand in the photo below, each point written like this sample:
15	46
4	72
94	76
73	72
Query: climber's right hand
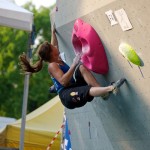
76	60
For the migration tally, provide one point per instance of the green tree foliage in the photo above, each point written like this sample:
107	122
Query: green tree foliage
12	43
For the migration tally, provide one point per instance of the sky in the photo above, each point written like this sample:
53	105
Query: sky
38	3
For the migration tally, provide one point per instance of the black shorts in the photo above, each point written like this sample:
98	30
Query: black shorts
77	94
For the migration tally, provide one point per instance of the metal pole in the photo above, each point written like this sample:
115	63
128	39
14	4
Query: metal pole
24	109
26	89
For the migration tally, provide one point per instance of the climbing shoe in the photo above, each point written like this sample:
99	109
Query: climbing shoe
117	85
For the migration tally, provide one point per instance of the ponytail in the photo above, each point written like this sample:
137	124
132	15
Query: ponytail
27	67
44	53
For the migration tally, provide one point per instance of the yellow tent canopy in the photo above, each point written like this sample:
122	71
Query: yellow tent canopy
41	126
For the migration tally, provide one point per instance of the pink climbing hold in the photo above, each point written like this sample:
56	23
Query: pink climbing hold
86	41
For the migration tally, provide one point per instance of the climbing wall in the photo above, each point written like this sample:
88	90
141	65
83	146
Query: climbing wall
122	122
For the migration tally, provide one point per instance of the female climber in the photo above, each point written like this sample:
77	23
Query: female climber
75	85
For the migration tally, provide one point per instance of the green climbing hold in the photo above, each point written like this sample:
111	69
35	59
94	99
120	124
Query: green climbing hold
129	53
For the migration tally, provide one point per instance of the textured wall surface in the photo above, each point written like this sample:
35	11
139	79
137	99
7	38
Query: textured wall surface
122	122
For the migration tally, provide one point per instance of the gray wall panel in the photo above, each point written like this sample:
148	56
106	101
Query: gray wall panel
123	122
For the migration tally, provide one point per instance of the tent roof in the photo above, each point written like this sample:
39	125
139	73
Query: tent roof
5	120
41	127
15	16
48	117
